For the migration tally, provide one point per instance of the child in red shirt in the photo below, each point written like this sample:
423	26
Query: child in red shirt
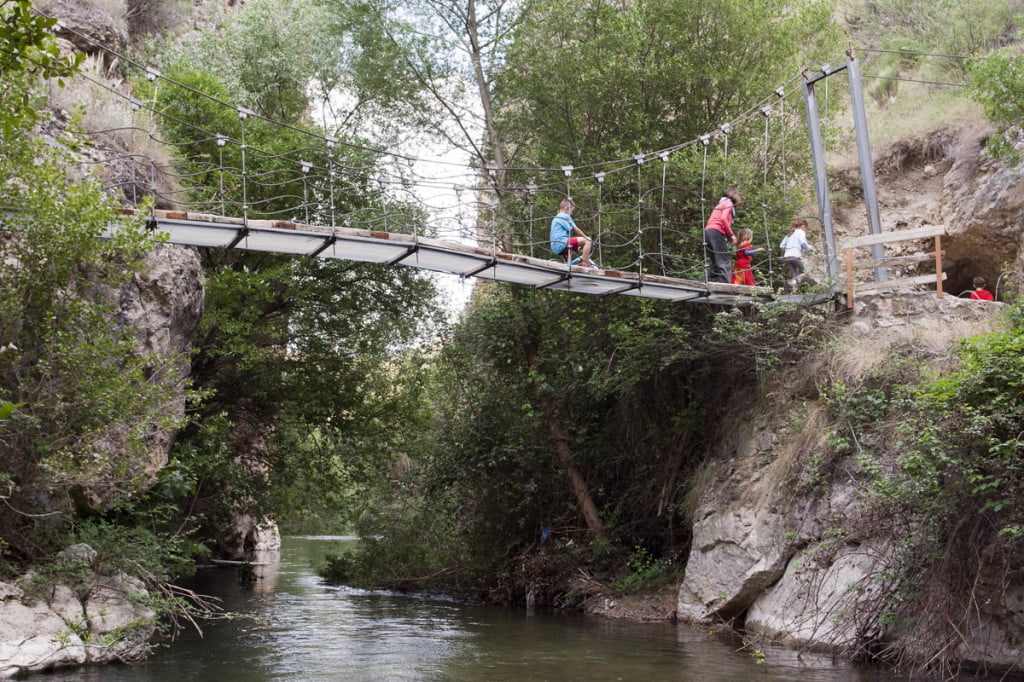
980	293
741	272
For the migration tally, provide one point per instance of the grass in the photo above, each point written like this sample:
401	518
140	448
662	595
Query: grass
915	110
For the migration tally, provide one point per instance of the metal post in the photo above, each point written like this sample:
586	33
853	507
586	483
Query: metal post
867	167
820	178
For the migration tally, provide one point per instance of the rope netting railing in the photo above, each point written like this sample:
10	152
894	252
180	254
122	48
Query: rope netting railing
645	212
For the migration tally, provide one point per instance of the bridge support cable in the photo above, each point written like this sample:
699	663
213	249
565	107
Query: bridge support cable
533	238
705	140
639	224
600	209
767	112
242	115
661	213
867	166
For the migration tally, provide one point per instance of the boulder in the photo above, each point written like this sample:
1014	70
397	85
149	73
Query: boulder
808	606
119	623
102	619
88	22
33	637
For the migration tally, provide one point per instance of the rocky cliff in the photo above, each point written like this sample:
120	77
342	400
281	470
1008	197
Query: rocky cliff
784	543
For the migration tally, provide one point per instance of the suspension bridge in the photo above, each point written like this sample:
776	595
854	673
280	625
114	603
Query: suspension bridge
279	236
328	198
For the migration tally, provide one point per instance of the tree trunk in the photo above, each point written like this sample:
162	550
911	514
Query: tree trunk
579	486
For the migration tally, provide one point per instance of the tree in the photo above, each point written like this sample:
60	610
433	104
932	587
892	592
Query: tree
587	416
28	52
996	83
290	352
89	402
453	51
593	80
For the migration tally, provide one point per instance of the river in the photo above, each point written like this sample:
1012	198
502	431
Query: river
308	630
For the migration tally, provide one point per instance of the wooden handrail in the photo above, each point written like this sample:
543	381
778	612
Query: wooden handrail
924	232
902	235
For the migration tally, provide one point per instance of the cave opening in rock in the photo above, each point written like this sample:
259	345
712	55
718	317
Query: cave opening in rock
965	259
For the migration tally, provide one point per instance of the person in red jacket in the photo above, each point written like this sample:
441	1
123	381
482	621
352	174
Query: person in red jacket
980	293
717	233
741	271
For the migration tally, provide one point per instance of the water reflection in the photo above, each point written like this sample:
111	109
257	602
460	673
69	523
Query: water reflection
312	631
265	566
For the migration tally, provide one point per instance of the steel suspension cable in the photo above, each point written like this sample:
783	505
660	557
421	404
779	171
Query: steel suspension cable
764	194
703	206
661	213
639	223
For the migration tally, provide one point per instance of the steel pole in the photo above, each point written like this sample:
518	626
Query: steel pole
867	166
820	178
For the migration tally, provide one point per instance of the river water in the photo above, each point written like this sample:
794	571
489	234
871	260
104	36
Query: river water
308	630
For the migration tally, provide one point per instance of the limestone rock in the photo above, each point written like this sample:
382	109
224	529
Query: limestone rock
779	552
104	619
162	305
809	604
247	535
120	624
88	22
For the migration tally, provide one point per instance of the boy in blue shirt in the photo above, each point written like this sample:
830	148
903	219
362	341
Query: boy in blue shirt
565	234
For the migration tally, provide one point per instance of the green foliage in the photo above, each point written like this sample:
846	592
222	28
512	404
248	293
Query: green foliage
606	81
633	383
300	360
944	27
941	456
135	540
645	572
81	406
963	437
668	76
90	401
28	52
996	83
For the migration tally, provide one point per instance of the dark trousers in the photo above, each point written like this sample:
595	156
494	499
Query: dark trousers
716	250
795	266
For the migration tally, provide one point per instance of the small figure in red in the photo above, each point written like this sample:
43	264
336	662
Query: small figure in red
980	293
742	272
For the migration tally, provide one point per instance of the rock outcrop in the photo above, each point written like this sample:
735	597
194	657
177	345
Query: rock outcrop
772	552
162	305
776	555
944	177
98	619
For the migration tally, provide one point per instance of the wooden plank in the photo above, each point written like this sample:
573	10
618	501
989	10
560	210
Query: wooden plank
739	289
895	236
897	283
939	274
898	260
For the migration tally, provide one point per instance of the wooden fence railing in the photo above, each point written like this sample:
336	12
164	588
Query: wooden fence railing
852	287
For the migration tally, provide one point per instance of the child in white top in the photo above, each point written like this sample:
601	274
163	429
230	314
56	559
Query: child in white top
793	246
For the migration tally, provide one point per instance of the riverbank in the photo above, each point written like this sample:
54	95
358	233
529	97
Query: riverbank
637	607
